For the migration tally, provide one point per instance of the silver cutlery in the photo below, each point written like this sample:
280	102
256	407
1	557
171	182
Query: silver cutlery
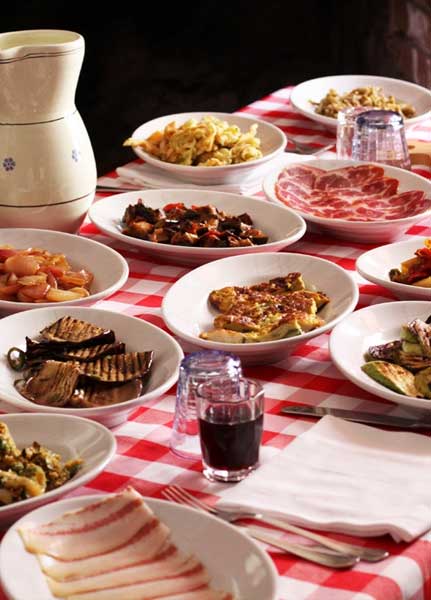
358	417
344	550
303	148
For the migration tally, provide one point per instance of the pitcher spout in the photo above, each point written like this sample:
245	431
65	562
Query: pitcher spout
39	71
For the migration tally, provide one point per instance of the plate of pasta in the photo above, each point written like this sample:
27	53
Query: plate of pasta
320	99
43	457
208	147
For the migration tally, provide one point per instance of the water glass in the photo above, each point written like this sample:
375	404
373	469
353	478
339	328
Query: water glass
345	129
222	371
230	430
379	137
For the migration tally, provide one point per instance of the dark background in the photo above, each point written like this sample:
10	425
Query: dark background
144	60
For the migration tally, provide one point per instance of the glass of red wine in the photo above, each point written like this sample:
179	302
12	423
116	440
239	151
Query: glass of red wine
230	429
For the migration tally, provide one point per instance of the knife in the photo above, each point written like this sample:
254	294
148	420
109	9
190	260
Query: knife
359	417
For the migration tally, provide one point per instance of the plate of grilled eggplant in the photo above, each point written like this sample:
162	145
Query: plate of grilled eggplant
85	361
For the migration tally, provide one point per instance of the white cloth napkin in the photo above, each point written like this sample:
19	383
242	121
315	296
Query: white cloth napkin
145	175
345	477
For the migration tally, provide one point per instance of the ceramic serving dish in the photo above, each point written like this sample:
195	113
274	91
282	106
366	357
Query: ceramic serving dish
273	142
137	334
283	226
109	268
314	90
187	312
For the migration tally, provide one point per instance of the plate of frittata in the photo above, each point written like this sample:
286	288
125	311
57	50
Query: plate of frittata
260	307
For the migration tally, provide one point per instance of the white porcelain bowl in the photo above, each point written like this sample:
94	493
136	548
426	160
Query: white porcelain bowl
371	326
72	437
109	268
234	561
187	312
375	265
382	231
282	225
273	142
316	89
137	334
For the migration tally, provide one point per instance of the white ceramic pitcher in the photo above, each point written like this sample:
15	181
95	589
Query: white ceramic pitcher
47	167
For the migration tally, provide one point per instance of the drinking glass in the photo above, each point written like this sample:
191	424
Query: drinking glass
230	430
222	371
379	137
346	122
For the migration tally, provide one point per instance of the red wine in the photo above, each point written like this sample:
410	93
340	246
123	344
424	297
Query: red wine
231	446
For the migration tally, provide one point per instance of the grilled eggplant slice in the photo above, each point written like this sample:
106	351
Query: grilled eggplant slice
119	368
69	331
422	331
37	352
102	394
389	351
392	376
53	384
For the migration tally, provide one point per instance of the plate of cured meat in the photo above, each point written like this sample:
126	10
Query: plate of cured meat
122	546
364	202
196	226
84	361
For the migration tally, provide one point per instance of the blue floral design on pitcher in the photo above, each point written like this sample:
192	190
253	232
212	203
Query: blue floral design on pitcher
9	164
76	154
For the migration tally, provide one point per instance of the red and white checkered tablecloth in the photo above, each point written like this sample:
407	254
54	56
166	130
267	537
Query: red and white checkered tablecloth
144	460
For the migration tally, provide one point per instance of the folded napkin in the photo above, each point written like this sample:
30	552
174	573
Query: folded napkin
145	175
346	477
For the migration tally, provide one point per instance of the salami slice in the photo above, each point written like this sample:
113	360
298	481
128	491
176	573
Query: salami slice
357	193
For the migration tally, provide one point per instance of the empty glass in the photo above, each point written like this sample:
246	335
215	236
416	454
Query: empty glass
379	137
219	369
230	429
346	128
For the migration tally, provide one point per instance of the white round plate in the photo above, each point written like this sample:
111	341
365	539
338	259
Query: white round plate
359	231
72	437
283	226
187	312
375	265
235	563
316	89
370	326
109	268
273	143
137	334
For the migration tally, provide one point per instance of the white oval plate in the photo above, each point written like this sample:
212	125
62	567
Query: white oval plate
359	231
72	437
109	268
273	143
370	326
375	265
137	334
235	563
316	89
282	225
187	312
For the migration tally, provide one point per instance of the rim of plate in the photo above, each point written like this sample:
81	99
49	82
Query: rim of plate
183	168
270	180
254	345
99	410
299	227
113	254
332	121
85	477
81	501
372	386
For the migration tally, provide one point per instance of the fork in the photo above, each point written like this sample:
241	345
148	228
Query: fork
180	495
302	148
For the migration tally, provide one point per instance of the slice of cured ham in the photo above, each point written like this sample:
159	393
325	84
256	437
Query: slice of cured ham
356	193
116	549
